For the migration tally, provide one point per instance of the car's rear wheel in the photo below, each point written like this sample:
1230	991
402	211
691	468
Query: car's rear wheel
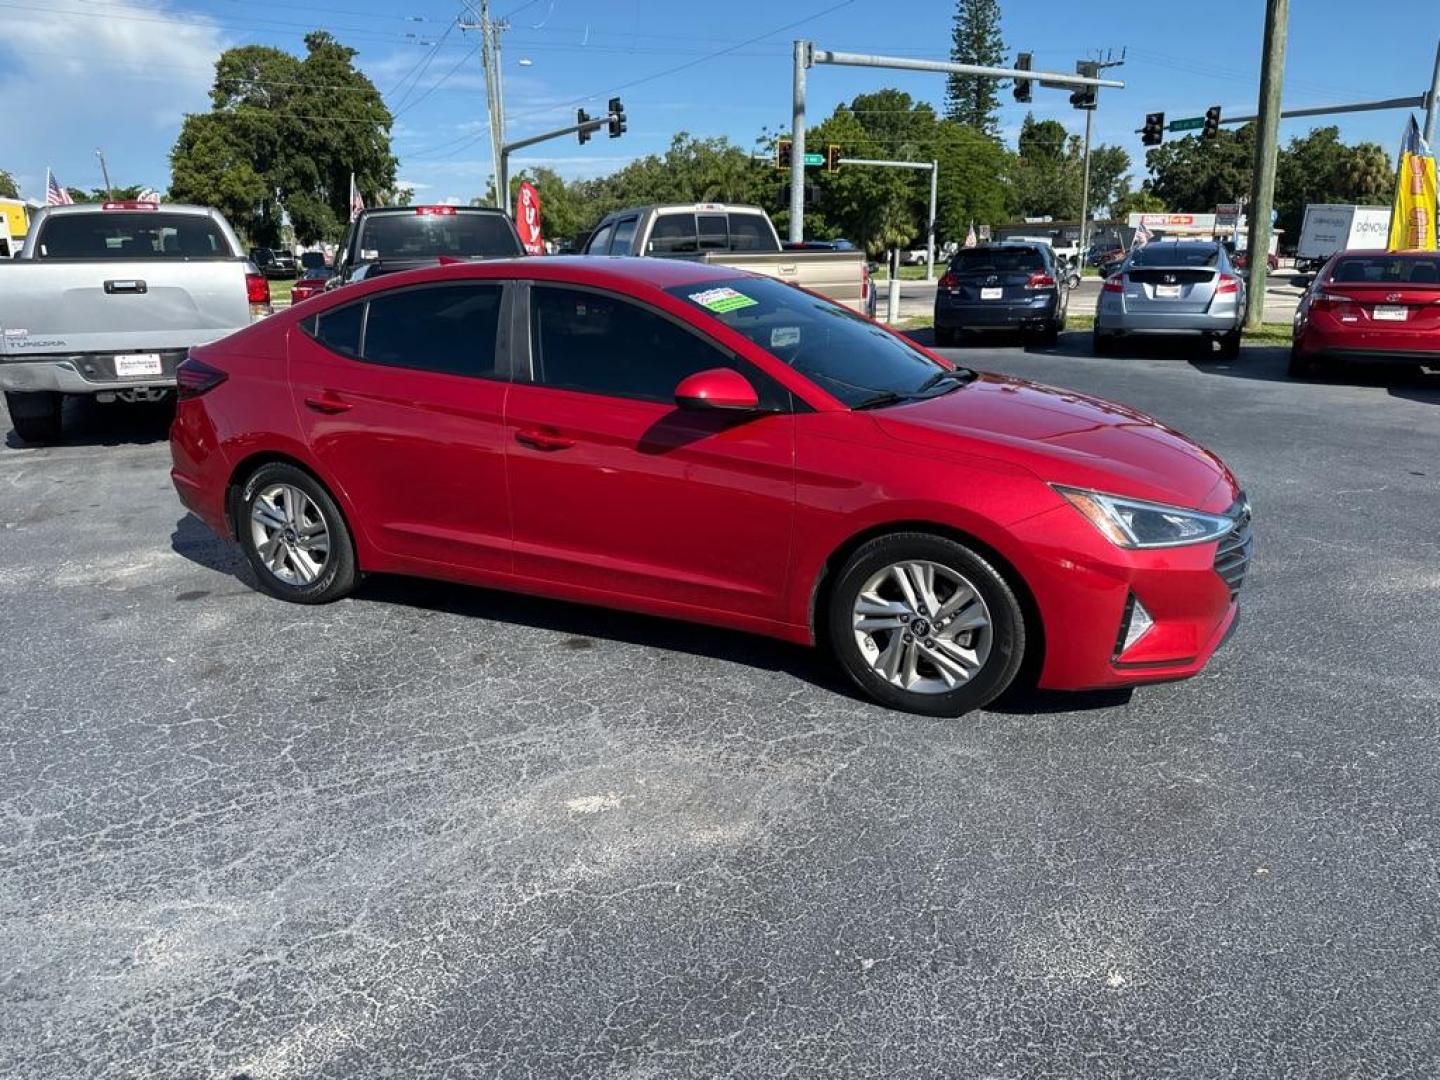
944	336
1300	366
1049	333
1230	345
294	536
35	414
922	623
1101	344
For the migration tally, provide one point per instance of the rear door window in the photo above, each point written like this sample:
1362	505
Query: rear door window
445	328
673	234
624	233
600	242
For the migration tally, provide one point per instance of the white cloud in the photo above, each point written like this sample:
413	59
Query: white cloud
121	79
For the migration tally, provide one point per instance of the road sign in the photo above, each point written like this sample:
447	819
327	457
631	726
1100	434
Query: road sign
814	159
1187	123
1226	215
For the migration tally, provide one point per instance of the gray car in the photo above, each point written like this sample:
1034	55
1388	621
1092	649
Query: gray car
1173	287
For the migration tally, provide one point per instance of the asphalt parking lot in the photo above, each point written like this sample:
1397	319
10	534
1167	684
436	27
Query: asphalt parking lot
432	831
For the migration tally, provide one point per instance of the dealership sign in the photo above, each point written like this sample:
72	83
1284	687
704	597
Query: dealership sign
527	219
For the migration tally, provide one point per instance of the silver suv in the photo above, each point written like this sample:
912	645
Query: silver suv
1173	286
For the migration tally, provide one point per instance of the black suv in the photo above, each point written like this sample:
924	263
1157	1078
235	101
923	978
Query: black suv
385	239
1002	286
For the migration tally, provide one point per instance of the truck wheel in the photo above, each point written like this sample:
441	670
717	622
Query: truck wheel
35	414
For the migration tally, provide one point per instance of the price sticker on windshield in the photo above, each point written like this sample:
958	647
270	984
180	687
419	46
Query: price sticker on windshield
722	300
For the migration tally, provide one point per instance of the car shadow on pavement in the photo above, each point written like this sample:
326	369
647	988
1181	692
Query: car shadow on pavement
89	423
196	541
1268	363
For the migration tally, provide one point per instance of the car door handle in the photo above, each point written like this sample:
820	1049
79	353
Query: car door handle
328	404
543	440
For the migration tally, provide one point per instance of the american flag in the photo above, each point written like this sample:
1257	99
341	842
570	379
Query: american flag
55	195
356	202
970	238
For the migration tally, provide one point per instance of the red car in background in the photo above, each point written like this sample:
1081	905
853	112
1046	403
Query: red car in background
695	442
1371	307
311	283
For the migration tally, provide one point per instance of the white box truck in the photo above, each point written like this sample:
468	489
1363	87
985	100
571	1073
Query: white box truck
1331	227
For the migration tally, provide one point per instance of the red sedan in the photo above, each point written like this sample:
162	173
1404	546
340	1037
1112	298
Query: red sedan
1369	306
694	442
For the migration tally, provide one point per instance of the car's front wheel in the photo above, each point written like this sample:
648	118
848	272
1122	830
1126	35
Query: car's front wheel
923	623
294	536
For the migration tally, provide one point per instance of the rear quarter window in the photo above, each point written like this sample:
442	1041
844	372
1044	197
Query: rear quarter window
338	329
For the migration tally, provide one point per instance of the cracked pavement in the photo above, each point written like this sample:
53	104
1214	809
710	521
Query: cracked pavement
435	831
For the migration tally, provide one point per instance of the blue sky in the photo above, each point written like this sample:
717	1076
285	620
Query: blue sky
120	74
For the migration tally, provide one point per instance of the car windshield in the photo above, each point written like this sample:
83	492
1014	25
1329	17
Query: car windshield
1382	269
1176	255
416	235
997	261
141	234
852	358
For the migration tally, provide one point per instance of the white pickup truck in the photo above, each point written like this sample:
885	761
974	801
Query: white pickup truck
105	300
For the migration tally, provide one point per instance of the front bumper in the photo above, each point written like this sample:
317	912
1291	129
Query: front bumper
1083	585
83	373
953	313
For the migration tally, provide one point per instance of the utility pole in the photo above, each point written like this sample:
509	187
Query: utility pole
109	191
1432	102
1267	142
797	143
490	31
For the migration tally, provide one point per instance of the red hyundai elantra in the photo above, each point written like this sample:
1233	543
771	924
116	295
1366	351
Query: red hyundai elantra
692	442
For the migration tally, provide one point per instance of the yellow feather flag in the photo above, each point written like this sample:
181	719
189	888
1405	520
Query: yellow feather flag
1412	218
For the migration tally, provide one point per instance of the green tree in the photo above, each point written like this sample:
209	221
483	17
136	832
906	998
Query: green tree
1139	200
282	139
1050	170
975	39
1319	168
1194	174
8	189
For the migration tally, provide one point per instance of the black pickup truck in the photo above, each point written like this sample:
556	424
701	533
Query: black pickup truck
387	239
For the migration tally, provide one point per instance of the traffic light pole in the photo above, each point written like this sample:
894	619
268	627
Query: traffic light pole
1267	136
934	168
806	55
502	188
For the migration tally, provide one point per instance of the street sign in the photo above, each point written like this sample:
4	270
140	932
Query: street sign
1226	215
814	159
1188	123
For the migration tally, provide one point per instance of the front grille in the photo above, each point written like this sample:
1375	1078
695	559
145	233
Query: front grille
1232	556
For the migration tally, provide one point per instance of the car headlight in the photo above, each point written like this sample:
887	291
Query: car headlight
1134	523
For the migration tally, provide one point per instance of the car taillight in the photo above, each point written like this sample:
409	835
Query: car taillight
1040	281
1328	301
193	378
947	280
1115	283
257	291
1227	284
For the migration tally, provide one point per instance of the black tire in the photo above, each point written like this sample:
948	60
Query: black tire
1230	345
1006	624
944	337
36	414
1102	344
1049	333
1300	367
337	573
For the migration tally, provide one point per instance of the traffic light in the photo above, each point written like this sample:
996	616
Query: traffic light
1022	86
1084	96
782	153
582	117
1212	123
617	118
1153	134
832	157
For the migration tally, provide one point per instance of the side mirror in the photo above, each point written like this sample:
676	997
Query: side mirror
717	388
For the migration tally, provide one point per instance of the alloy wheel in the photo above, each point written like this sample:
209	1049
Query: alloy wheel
290	534
922	627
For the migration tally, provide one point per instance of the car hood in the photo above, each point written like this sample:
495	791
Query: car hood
1067	438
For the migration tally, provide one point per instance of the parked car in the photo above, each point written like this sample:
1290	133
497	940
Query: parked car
1240	261
1001	286
818	245
1173	287
738	235
1101	254
311	283
274	262
1369	307
105	299
700	443
389	239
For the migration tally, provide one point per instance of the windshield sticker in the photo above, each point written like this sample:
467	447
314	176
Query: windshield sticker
367	254
783	336
722	300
